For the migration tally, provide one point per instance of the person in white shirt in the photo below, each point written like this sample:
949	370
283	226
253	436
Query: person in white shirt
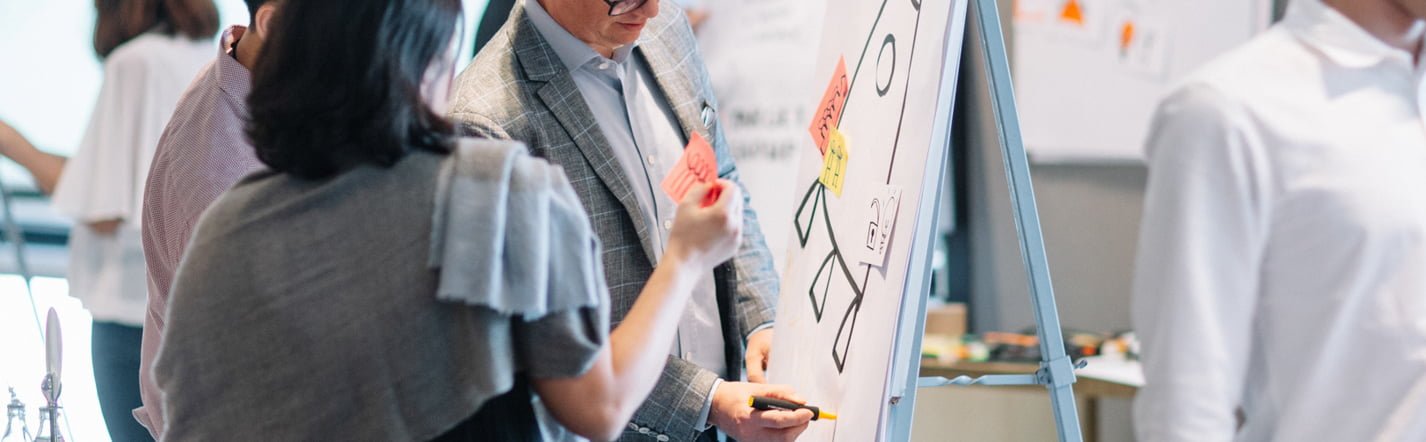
1280	292
151	51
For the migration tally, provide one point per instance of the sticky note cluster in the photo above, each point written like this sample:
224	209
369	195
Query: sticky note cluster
829	112
834	163
697	165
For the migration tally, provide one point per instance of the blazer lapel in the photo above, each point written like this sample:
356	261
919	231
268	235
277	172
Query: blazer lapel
676	86
563	99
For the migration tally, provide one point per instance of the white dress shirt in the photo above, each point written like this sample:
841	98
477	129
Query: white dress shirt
1282	258
104	180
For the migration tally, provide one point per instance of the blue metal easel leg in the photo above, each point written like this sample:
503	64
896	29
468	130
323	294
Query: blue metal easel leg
1056	371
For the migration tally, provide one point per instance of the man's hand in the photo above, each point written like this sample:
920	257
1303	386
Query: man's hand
732	414
758	356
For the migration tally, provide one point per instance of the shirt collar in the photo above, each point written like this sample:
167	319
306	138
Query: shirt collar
1338	37
233	77
572	51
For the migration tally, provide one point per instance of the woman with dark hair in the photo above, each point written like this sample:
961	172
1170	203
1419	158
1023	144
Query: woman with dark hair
387	280
151	50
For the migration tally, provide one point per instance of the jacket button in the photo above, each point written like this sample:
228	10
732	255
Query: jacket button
662	438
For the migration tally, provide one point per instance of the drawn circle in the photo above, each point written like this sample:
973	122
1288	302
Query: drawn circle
882	89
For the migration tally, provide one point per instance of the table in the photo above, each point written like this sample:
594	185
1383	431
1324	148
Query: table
1088	391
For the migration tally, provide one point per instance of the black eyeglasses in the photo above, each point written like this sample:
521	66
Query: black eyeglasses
621	7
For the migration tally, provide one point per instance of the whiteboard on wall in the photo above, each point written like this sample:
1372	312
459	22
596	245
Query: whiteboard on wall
864	195
1089	73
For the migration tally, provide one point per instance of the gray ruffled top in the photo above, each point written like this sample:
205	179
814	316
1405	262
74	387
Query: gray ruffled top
380	304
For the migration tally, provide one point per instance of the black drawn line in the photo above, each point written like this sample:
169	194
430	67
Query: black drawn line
816	195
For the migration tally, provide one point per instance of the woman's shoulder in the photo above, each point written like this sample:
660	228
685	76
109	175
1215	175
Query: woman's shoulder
153	48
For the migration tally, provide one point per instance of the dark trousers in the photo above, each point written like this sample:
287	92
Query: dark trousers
115	349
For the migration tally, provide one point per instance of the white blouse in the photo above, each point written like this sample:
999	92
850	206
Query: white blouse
143	79
1282	258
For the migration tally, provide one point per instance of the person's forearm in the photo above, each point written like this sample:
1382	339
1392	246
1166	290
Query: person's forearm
639	346
44	166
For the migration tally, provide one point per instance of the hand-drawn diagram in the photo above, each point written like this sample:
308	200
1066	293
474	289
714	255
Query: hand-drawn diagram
835	263
871	142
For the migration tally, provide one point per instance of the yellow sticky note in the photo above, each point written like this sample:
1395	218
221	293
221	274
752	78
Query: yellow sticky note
834	164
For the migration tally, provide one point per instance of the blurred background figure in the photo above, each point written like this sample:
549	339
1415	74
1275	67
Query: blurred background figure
1280	267
151	50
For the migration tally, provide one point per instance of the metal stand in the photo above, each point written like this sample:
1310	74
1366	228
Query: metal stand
17	238
51	386
1056	371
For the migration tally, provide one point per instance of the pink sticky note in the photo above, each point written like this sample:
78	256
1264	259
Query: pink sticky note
829	113
697	165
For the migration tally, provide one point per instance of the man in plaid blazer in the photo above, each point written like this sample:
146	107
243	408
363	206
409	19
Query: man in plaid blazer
611	90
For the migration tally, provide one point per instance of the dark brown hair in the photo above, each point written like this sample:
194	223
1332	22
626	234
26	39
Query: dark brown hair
119	21
339	84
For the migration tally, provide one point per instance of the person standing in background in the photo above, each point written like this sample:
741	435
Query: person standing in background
151	50
201	154
1280	288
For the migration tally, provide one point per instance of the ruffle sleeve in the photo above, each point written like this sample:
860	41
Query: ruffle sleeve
510	235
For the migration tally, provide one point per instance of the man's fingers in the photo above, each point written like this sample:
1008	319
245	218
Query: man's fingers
782	392
755	370
782	418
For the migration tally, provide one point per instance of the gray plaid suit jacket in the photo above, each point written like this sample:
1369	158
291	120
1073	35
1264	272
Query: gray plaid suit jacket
518	89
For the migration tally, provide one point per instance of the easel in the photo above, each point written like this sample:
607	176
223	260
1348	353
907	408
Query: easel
1056	371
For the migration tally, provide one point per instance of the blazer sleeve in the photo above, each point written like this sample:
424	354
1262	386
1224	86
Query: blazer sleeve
479	126
755	281
675	405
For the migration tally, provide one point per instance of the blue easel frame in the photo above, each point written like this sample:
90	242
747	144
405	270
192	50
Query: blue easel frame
1056	370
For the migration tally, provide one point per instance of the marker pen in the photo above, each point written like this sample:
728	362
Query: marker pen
767	403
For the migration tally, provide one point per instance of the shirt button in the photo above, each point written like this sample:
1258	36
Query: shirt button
668	225
651	160
688	356
605	65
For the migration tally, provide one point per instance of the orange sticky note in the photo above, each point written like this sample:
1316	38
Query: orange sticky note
1072	13
829	113
1126	37
697	165
834	164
